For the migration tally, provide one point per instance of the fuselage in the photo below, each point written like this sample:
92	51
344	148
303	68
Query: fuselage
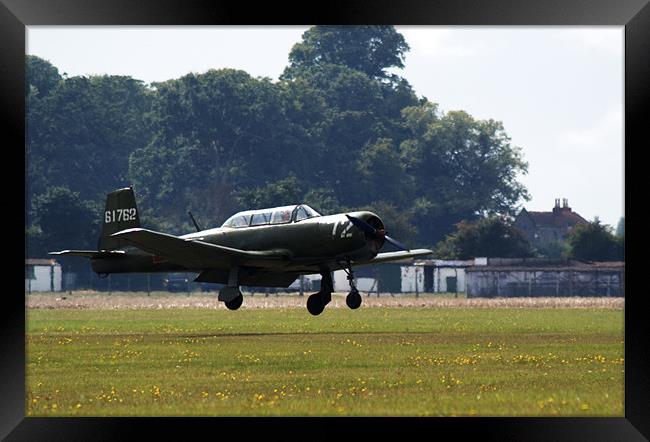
317	237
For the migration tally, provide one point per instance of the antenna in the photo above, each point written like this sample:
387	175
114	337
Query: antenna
198	229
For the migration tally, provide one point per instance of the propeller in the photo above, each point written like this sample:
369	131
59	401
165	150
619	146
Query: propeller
376	233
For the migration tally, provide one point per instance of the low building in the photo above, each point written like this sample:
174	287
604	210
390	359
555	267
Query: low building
389	277
42	275
543	228
412	279
545	277
444	276
365	283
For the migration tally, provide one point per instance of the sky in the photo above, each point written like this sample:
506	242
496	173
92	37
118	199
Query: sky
558	91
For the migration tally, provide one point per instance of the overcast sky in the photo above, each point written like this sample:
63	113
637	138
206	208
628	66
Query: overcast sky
557	90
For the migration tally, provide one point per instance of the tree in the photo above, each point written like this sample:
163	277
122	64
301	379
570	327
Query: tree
491	237
463	168
216	134
42	77
323	200
344	112
554	249
337	131
380	172
397	222
283	192
594	242
368	49
620	228
63	221
80	136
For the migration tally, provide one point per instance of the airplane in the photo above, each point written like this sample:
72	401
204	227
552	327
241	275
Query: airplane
265	248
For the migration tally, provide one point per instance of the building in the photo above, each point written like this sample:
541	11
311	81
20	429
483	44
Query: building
526	277
492	277
365	282
390	277
543	228
42	275
409	276
444	276
412	279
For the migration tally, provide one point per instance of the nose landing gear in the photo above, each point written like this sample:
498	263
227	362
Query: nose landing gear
353	300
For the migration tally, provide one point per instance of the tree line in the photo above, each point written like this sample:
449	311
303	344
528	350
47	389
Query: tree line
337	131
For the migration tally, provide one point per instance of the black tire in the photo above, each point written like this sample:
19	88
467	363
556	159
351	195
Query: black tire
353	300
315	304
235	303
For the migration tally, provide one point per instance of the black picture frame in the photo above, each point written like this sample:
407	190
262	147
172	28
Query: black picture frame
15	15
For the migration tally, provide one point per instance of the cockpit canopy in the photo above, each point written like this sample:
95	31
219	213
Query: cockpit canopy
276	215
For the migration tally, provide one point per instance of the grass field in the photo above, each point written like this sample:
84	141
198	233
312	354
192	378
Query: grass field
281	361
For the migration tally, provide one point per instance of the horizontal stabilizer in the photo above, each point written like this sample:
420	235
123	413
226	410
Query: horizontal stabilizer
90	253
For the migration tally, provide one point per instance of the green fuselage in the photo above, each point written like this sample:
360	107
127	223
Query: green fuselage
331	239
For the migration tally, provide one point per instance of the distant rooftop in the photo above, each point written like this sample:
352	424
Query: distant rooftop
559	217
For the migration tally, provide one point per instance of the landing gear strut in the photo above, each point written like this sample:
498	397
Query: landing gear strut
353	300
316	303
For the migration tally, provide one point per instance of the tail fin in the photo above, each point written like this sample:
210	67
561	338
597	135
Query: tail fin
121	213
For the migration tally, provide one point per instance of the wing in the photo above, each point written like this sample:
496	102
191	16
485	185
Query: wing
393	256
198	254
317	264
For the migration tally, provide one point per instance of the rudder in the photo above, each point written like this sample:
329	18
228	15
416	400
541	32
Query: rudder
121	213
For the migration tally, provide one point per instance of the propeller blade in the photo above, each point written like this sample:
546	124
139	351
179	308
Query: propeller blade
396	243
362	225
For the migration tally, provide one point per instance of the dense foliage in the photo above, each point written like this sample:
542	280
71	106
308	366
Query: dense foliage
491	237
337	131
595	242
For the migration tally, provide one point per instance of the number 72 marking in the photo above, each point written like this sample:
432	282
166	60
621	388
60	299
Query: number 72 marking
345	232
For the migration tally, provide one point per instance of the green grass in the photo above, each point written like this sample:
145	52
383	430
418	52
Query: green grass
373	361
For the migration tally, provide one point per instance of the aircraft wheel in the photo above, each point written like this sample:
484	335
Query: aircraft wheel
315	304
235	303
353	300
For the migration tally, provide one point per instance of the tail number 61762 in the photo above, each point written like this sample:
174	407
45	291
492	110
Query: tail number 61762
118	215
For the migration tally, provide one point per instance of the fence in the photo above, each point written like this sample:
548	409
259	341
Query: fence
482	282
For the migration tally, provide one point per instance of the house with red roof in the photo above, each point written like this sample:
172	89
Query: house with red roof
543	228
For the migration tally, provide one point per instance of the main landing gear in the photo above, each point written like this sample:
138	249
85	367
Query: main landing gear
230	294
316	303
235	303
231	297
